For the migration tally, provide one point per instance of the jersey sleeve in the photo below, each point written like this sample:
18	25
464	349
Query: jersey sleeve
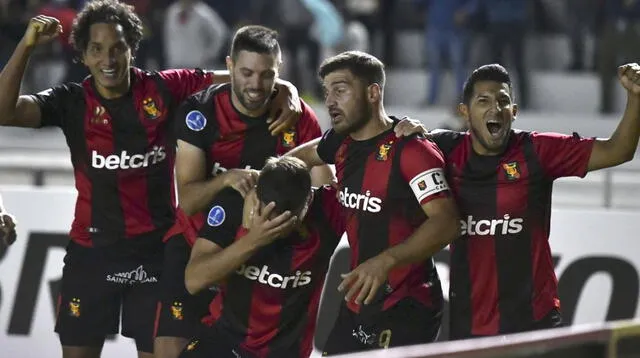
192	126
53	104
182	83
563	155
223	218
308	126
422	166
329	145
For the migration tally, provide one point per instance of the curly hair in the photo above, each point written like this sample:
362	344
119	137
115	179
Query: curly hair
106	11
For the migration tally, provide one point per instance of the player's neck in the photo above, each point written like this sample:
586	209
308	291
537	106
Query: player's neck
114	92
242	109
377	124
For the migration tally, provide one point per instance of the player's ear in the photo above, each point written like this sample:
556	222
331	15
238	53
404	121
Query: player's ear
374	92
514	111
229	63
463	111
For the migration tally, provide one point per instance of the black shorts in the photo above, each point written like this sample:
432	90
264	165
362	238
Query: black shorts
213	343
99	285
178	312
408	322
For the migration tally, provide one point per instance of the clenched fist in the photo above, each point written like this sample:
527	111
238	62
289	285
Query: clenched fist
42	29
7	230
629	76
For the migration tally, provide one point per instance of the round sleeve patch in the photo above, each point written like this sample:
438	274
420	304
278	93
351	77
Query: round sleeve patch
216	216
196	121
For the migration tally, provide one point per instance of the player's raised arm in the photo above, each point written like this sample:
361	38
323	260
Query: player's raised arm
16	110
622	144
308	153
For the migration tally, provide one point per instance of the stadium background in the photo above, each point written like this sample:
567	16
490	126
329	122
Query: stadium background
596	220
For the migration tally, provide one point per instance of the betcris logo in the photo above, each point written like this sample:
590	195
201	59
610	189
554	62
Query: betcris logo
364	202
263	276
219	169
486	227
127	161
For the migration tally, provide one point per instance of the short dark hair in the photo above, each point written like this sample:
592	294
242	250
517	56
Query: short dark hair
493	72
364	66
255	38
286	182
106	11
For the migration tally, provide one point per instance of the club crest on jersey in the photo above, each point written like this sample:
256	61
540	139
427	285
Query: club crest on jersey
383	151
216	216
196	121
98	116
289	138
511	170
176	311
74	307
150	109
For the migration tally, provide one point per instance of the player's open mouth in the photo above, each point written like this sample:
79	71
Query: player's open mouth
494	127
336	115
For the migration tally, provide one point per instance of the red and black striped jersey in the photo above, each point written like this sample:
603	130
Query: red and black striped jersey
502	273
268	306
383	183
123	152
230	139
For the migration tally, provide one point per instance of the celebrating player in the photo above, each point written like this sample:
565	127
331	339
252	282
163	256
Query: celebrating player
118	125
389	186
222	133
502	274
270	256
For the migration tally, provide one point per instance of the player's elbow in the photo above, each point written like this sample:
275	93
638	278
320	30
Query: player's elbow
191	281
450	228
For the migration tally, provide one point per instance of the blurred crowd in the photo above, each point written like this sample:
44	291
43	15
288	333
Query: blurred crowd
192	33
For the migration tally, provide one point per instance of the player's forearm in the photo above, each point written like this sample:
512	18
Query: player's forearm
308	153
208	270
430	237
220	76
322	175
624	140
196	197
10	80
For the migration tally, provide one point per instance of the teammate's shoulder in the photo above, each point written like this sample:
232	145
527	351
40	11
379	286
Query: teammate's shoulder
68	90
208	94
447	139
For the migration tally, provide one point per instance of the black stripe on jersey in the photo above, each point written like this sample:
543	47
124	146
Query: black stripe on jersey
514	258
75	129
158	187
328	241
461	297
284	250
258	144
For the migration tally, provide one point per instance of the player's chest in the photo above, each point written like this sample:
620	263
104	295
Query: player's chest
281	267
238	147
135	126
505	185
365	175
